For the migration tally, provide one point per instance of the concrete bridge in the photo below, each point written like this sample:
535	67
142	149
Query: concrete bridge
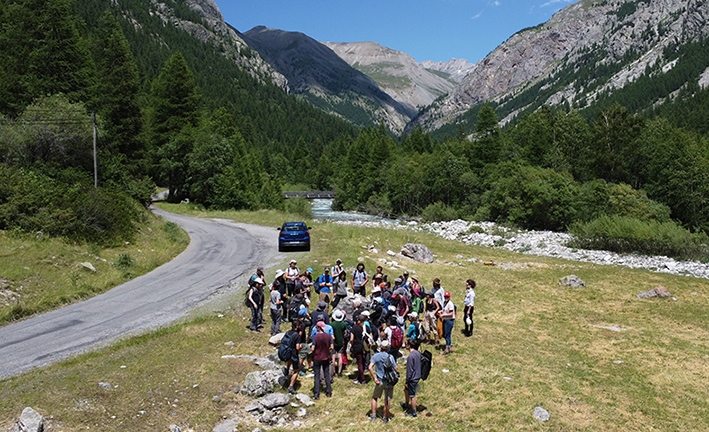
310	194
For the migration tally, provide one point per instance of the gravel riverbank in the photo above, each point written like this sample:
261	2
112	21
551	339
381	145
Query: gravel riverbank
540	243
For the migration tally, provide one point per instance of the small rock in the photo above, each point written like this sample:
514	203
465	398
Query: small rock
391	252
297	424
229	425
88	266
254	406
216	399
541	414
175	428
275	340
30	421
304	399
105	385
301	412
573	281
445	371
237	389
655	292
230	343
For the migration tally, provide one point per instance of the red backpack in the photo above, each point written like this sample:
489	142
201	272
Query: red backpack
397	337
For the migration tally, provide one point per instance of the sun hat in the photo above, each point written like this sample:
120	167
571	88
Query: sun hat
398	280
321	324
258	280
365	313
339	261
293	261
376	289
279	273
338	315
414	315
468	321
384	344
379	300
392	308
322	305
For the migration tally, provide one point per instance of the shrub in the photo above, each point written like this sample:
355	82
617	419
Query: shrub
625	235
300	206
438	212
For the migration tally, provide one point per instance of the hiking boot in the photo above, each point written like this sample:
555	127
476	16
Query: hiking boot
372	417
291	390
385	420
413	414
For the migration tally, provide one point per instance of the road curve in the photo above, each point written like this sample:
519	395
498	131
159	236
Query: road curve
219	252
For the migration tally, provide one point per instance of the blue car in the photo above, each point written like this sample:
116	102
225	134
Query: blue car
294	235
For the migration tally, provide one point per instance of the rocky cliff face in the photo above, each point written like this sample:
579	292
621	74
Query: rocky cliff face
630	31
215	30
455	69
397	73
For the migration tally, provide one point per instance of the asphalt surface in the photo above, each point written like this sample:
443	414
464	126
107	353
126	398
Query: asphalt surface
219	252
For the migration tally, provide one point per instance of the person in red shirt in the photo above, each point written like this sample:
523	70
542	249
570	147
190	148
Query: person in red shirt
322	346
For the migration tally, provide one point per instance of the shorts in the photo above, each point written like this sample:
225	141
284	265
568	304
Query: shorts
387	389
340	350
305	350
412	388
295	363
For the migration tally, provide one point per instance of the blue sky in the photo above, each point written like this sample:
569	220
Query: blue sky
435	30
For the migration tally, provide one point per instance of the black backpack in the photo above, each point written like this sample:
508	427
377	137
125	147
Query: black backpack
391	375
426	363
286	350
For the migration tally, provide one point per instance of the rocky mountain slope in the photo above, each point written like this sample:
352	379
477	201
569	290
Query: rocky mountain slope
397	73
214	29
322	77
588	49
454	69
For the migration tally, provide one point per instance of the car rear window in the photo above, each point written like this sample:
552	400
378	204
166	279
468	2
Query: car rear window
291	228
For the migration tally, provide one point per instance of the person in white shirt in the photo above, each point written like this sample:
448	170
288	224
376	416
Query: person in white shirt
469	303
292	273
448	317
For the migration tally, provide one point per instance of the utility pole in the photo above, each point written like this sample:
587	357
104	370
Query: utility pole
95	161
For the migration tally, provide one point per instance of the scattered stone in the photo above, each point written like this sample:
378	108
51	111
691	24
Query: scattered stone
230	343
417	252
237	389
260	383
29	421
655	292
573	281
611	328
445	371
275	340
88	266
391	252
618	361
508	378
297	424
268	418
257	430
360	259
104	385
274	400
304	399
175	428
216	399
230	425
541	414
254	406
301	412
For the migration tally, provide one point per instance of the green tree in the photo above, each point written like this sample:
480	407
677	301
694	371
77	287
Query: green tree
487	144
41	53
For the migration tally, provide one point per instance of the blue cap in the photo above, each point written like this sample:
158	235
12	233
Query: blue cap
310	269
379	300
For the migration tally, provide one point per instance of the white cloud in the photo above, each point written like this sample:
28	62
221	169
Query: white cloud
478	15
551	2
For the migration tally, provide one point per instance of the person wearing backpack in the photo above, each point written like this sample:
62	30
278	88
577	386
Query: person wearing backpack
357	341
288	351
382	362
413	376
254	301
341	335
416	331
395	337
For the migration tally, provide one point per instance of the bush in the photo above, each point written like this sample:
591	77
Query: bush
627	235
300	206
438	212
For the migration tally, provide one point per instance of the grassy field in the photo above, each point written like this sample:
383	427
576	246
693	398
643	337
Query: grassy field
41	274
536	343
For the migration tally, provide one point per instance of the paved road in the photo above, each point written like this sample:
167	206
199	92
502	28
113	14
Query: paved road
219	252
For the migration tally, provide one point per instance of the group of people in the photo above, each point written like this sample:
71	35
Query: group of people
373	328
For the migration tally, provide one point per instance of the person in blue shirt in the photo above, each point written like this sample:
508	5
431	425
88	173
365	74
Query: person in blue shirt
323	285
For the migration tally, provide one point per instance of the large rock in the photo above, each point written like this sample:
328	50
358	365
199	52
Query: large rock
417	252
274	400
655	292
275	340
260	383
29	421
230	425
572	281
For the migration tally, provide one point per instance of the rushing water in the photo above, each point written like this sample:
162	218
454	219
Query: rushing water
322	210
